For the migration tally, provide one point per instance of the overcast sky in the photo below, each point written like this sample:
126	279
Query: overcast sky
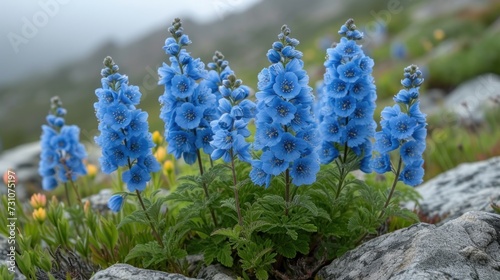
39	35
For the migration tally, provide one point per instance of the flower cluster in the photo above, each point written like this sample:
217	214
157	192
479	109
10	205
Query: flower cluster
125	139
286	128
62	153
348	100
188	107
230	130
219	70
403	127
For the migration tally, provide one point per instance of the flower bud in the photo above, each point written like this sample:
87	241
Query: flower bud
168	167
40	215
161	154
157	138
38	201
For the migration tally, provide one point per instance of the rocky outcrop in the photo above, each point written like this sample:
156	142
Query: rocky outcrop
128	272
215	272
465	248
468	187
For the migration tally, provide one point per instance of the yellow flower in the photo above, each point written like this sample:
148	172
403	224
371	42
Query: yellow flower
168	166
91	170
161	154
38	200
40	215
157	138
439	34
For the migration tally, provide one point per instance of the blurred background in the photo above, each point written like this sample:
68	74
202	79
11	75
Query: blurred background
56	47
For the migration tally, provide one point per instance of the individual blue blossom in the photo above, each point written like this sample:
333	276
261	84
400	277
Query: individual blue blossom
115	202
189	102
348	102
286	127
230	130
62	155
124	139
403	127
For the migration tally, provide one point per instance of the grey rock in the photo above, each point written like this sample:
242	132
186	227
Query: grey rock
5	259
467	187
216	272
23	160
465	248
477	94
99	201
128	272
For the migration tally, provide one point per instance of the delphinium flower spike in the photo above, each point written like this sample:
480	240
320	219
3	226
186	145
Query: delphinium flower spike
348	103
230	130
188	104
403	127
286	129
62	156
125	138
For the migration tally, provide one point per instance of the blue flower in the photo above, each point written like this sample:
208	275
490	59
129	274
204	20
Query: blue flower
272	164
136	178
282	111
402	126
413	173
188	116
304	170
327	152
332	131
381	163
349	72
338	88
412	151
384	142
287	85
290	147
258	175
62	153
285	124
115	202
190	97
348	99
124	138
344	106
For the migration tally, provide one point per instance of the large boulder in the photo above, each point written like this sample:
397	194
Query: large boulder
468	187
128	272
465	248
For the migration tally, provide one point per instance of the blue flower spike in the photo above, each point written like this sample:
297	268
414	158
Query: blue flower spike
124	139
62	155
286	128
348	100
189	101
403	128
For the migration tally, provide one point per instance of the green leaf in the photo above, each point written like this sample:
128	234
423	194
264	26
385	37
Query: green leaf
224	255
261	274
137	216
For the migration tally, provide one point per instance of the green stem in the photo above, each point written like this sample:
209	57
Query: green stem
155	233
287	190
343	173
236	196
205	189
78	198
67	193
387	202
394	183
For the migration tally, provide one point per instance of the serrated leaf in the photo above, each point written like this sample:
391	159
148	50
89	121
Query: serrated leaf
261	274
137	216
224	255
